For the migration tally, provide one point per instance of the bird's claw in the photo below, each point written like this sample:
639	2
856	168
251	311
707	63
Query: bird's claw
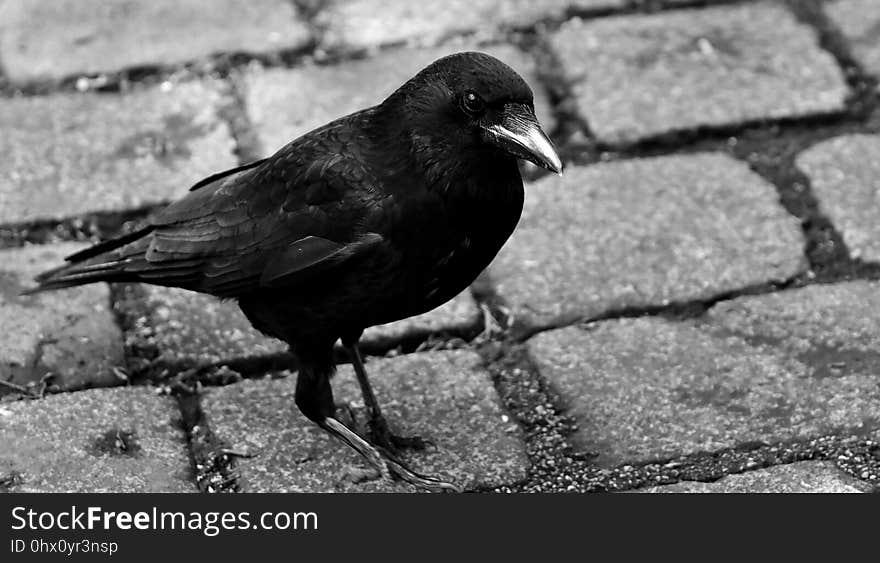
491	326
382	436
432	484
415	443
388	466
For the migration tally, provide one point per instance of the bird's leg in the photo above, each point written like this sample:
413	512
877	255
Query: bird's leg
379	431
314	397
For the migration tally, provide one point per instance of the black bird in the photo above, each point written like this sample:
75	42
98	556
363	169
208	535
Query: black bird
380	215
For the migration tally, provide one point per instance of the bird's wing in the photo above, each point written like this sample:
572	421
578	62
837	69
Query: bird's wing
220	175
266	225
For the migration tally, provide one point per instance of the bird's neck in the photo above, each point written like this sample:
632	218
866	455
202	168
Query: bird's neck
442	160
475	181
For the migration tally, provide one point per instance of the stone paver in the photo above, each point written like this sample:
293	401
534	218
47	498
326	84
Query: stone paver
53	39
834	329
859	20
123	440
457	316
640	76
792	365
69	333
193	328
361	24
845	176
804	477
644	232
285	103
777	367
67	154
445	397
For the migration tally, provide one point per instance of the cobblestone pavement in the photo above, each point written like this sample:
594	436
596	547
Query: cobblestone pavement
694	306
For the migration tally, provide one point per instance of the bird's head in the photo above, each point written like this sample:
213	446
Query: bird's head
474	101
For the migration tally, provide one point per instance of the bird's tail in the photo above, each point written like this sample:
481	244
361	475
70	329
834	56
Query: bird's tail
102	262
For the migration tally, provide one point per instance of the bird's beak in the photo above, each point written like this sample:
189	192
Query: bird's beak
520	134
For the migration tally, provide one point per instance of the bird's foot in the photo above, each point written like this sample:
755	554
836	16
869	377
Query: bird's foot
425	482
386	463
382	436
379	432
492	328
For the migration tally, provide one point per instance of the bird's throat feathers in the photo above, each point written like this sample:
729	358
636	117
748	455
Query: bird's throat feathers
448	164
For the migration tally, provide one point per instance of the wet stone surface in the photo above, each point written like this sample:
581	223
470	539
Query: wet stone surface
644	232
803	477
69	154
123	440
641	76
844	173
53	39
286	103
784	366
445	397
66	339
859	20
364	24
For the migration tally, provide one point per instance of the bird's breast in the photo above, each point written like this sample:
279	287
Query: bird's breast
446	261
442	236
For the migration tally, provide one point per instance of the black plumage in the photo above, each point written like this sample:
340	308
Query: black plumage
377	216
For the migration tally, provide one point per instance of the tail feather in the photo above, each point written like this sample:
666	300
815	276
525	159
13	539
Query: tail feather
108	245
103	262
69	276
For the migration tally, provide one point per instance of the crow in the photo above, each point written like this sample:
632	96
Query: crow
377	216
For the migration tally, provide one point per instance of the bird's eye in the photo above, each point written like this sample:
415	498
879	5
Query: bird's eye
473	103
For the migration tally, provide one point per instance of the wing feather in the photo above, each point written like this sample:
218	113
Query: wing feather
268	223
